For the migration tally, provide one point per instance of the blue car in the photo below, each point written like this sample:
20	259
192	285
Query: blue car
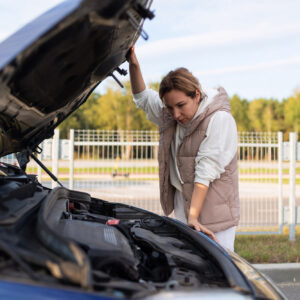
64	244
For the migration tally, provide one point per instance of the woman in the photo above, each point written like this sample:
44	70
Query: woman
197	151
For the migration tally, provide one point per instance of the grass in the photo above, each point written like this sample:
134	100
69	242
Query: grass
273	248
141	170
268	180
154	170
265	171
120	179
251	171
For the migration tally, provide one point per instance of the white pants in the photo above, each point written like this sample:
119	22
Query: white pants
225	238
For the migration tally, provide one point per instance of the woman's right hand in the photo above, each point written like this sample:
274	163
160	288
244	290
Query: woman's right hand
136	78
131	56
194	223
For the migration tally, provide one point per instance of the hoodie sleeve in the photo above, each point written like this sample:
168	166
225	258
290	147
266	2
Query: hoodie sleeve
149	101
217	149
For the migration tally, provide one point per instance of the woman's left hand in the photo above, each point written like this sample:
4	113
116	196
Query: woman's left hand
194	223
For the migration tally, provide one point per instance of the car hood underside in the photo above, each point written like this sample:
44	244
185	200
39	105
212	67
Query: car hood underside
49	67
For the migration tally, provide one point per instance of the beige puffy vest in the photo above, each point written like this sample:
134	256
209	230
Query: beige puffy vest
221	208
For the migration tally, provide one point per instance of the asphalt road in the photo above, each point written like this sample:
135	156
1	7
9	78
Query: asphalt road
286	276
290	290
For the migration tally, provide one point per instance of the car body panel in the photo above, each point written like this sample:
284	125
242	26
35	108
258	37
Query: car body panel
13	290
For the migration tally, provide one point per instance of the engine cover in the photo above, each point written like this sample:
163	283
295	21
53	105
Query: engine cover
102	241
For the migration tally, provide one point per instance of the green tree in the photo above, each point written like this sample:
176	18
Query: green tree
256	109
266	115
272	117
239	110
292	112
116	110
77	119
154	86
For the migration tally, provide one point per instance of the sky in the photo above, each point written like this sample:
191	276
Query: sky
250	47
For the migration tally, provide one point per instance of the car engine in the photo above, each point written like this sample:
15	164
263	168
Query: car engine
66	237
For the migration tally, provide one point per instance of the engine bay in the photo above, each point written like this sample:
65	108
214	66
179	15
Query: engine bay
64	237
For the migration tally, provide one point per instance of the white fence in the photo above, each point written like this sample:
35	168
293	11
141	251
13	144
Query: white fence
122	166
260	180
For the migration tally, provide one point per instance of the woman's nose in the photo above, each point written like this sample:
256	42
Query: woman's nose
176	113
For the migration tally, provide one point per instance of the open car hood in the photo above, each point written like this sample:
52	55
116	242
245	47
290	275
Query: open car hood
49	67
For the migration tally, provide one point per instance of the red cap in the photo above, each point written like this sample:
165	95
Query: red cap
112	222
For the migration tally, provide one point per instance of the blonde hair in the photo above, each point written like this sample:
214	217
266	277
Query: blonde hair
183	80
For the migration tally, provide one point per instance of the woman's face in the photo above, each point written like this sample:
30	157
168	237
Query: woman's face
181	106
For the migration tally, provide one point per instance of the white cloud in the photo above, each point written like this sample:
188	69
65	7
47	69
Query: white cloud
243	68
201	15
217	38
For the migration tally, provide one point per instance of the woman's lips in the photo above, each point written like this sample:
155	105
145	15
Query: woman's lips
181	121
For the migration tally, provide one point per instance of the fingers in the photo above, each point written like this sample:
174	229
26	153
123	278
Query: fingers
194	224
210	234
130	56
213	237
199	227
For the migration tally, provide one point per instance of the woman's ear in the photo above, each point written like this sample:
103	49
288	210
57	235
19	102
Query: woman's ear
198	95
